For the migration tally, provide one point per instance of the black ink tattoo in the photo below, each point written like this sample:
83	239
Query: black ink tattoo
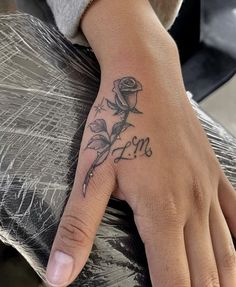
99	108
132	149
126	91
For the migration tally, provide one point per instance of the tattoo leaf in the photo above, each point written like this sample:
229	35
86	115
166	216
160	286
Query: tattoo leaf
111	105
134	110
118	112
120	127
117	127
98	126
126	126
98	142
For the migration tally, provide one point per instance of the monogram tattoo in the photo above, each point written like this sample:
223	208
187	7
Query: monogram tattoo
126	92
132	149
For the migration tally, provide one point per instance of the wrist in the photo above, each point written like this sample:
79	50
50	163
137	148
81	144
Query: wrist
120	28
160	72
138	54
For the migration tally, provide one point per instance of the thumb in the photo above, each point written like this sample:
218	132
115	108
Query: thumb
79	224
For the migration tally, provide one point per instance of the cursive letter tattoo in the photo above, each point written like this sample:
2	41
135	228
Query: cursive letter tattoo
126	91
132	149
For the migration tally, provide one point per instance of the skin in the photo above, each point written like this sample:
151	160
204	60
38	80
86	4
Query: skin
184	206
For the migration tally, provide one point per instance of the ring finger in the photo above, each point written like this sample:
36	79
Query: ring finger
202	264
223	247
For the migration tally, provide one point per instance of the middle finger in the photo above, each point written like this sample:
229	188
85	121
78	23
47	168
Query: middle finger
200	254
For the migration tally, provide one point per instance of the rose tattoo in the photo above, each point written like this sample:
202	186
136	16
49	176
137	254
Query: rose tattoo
126	93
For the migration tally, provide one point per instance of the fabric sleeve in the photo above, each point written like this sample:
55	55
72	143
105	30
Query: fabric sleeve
68	13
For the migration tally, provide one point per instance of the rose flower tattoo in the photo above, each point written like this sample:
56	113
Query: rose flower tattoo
126	94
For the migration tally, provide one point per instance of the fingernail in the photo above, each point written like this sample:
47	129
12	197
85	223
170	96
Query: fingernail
59	269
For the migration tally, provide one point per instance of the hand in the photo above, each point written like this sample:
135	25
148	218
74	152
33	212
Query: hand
179	194
159	160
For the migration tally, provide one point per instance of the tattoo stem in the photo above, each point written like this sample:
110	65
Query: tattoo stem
104	154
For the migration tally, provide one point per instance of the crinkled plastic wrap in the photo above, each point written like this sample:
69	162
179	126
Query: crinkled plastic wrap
47	87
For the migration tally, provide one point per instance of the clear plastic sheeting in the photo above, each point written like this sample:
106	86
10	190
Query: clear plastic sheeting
47	87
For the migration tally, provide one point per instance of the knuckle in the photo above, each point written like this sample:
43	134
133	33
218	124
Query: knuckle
171	214
74	232
165	212
200	197
180	281
229	261
210	280
168	206
168	211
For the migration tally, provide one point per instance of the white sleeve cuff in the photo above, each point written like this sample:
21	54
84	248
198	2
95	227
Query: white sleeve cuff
68	13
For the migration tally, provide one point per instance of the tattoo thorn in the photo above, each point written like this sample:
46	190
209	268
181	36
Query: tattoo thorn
84	189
